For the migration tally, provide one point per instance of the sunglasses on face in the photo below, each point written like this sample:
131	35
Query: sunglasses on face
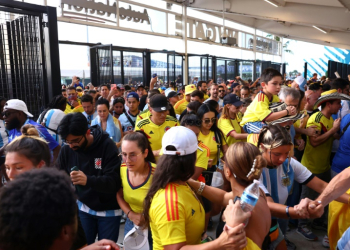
8	113
221	90
207	120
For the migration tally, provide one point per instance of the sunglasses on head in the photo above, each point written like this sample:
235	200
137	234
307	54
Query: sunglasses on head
207	120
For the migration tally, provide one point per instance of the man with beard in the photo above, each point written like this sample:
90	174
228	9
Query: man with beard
91	159
16	115
214	95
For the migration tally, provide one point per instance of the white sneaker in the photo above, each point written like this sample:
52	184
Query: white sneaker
325	241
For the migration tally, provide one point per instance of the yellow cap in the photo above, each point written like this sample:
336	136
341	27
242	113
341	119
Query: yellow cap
189	89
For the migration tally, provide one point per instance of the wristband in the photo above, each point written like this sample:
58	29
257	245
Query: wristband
127	215
201	188
287	212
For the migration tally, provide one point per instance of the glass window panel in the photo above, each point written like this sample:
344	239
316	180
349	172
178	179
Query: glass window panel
246	70
178	69
117	65
159	66
194	67
171	62
77	66
231	71
220	71
133	67
257	70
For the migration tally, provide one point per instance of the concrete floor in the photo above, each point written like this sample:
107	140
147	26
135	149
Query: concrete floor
292	235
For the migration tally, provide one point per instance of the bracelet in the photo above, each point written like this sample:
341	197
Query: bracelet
201	188
287	212
127	215
287	112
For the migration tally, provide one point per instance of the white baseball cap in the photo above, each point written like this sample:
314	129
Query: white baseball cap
17	104
136	239
183	139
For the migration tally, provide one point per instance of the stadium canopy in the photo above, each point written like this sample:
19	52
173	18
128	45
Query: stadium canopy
325	22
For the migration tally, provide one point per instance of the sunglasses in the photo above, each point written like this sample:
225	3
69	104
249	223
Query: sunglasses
8	113
221	90
207	120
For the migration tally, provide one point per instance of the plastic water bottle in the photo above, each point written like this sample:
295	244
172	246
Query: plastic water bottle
250	197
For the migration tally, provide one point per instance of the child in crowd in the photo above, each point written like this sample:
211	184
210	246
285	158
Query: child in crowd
258	112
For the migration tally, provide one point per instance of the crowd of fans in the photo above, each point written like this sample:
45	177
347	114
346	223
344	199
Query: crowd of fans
149	159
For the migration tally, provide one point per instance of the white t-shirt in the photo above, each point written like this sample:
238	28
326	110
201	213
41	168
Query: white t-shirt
271	179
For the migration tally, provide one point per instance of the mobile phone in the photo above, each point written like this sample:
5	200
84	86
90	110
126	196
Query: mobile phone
75	168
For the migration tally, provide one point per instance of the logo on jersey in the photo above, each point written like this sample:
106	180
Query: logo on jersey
214	138
166	128
98	163
151	132
193	212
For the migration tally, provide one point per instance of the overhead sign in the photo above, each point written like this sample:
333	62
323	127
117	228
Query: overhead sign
203	31
100	12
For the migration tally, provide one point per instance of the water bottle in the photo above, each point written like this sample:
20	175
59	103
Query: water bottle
249	198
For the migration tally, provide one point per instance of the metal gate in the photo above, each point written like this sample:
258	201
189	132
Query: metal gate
27	46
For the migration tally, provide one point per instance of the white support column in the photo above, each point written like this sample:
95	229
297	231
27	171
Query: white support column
184	38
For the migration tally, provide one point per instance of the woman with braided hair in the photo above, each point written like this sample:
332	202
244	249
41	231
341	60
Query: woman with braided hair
276	180
243	165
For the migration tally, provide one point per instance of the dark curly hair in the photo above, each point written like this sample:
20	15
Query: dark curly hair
74	124
34	208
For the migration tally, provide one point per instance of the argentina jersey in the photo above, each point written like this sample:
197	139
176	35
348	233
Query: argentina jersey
51	121
4	135
124	118
277	182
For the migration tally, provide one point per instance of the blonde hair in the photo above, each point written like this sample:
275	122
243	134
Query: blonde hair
30	145
245	162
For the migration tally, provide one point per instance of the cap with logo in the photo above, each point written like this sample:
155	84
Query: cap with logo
170	93
159	103
233	99
136	238
17	105
121	86
189	89
185	144
133	95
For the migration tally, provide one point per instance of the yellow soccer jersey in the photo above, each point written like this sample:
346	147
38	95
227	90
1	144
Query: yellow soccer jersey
135	196
317	159
259	110
205	96
70	109
239	117
143	115
209	141
180	106
228	125
253	139
154	132
203	154
176	216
